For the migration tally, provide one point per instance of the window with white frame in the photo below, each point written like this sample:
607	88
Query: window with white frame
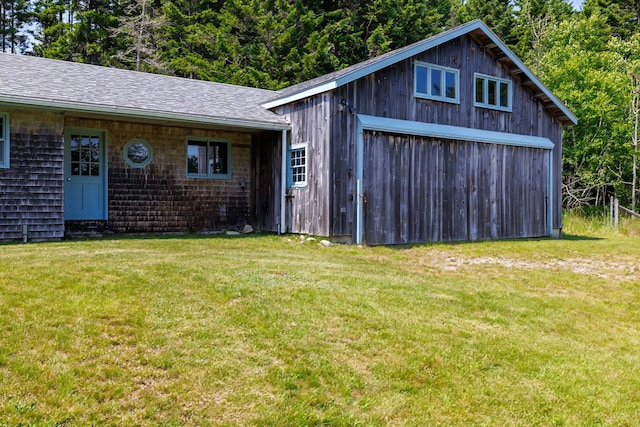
298	165
208	158
436	82
4	140
492	92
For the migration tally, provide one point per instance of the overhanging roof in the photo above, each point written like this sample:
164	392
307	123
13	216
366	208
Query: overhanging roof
476	29
82	88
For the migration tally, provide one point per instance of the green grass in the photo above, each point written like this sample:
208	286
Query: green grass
273	331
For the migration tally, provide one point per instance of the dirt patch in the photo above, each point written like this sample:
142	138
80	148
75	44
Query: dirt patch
619	269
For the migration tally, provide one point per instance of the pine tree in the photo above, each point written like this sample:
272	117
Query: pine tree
14	20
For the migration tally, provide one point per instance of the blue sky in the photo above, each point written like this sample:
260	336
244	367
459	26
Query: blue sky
577	4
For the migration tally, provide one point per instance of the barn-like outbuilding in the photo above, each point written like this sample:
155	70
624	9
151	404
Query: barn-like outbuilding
451	138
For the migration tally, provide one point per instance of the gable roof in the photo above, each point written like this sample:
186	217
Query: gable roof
76	87
476	29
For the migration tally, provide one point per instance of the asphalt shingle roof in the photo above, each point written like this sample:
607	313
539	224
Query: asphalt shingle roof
82	87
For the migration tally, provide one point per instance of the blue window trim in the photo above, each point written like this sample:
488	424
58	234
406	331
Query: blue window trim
485	92
209	141
296	147
4	141
126	153
427	95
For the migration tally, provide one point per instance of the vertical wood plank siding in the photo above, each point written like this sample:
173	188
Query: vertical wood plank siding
308	208
266	164
31	190
422	189
485	194
160	197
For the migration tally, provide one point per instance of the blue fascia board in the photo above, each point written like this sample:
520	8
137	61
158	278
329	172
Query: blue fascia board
512	56
407	127
415	49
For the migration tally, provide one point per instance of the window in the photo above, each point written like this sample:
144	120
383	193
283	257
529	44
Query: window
298	165
208	158
4	140
436	82
84	153
138	153
492	92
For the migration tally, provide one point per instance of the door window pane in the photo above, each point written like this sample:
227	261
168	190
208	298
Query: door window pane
84	152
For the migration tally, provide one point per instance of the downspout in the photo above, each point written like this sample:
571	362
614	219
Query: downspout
550	195
283	186
359	177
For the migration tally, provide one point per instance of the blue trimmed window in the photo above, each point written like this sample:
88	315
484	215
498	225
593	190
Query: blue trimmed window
208	158
437	82
492	92
138	153
4	140
297	160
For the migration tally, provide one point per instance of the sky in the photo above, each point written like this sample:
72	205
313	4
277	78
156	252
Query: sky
577	4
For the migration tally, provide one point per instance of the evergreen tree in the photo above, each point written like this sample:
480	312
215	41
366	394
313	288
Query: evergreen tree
14	19
622	16
77	31
499	15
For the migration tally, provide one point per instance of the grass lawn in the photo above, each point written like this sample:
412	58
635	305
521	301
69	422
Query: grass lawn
273	331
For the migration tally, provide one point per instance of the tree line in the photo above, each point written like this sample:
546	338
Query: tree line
589	58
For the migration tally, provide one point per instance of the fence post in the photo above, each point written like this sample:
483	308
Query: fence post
616	212
611	211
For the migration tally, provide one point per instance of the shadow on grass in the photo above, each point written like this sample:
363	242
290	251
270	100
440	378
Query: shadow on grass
569	237
266	234
145	236
169	235
577	237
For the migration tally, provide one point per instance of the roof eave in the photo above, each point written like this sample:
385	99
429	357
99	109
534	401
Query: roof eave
566	117
377	66
281	124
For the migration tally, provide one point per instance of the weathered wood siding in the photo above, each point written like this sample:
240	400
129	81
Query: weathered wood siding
308	208
160	197
266	165
389	93
31	190
423	189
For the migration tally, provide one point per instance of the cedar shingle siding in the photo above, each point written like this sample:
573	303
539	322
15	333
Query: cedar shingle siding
31	191
160	197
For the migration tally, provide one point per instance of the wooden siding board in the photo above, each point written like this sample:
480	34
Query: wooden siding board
309	207
266	164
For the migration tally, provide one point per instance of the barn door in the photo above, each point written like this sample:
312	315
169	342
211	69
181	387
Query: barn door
422	189
387	181
85	175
